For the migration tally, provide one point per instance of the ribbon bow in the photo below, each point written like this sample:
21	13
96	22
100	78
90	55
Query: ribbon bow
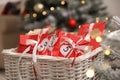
34	52
28	42
68	47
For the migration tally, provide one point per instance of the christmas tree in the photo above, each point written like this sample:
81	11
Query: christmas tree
109	67
65	14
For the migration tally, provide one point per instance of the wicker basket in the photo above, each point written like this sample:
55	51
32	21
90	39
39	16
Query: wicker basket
50	68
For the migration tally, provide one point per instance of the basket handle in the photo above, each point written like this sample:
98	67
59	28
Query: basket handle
34	63
18	65
34	56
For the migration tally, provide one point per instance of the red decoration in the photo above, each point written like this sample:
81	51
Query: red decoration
72	23
85	30
25	12
22	42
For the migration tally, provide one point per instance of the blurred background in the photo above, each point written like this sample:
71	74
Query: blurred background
20	16
112	6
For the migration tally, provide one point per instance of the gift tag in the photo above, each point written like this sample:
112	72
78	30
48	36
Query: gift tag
65	50
52	41
43	45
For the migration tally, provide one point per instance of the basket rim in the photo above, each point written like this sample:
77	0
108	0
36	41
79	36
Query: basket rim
12	52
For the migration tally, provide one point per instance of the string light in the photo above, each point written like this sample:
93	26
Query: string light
82	1
97	19
109	31
44	13
108	46
98	39
34	15
52	8
106	65
106	18
62	2
79	26
107	52
27	15
38	7
90	73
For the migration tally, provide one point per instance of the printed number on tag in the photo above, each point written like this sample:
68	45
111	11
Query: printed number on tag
65	49
43	45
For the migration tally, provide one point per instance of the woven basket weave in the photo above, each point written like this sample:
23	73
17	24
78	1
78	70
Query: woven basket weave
50	69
